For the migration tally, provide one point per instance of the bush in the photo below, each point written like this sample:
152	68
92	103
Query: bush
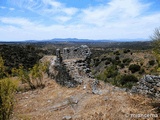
96	62
117	57
110	72
33	77
151	62
126	51
121	65
128	80
116	62
103	59
141	71
2	68
107	62
109	59
134	68
116	53
126	61
37	73
7	90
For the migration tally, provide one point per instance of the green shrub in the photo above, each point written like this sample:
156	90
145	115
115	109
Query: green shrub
7	89
109	72
33	77
126	61
109	59
129	85
24	76
128	80
116	53
103	59
134	68
126	51
101	76
151	62
141	63
116	62
117	57
96	62
37	73
121	65
141	71
2	68
107	62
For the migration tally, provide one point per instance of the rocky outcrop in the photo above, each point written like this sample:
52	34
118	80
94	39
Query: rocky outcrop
70	67
148	85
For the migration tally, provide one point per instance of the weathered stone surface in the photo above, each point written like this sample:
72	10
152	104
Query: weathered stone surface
95	87
70	67
148	85
158	84
81	52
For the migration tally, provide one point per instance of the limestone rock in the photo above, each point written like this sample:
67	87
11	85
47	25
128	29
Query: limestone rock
67	118
148	85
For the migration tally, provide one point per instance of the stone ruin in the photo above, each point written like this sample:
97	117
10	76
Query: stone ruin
70	67
81	52
148	85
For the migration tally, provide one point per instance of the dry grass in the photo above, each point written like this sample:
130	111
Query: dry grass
50	103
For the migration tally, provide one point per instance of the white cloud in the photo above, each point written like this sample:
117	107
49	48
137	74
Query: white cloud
22	22
115	10
2	7
62	19
11	9
113	20
50	8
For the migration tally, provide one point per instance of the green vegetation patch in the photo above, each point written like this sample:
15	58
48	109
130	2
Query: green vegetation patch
134	68
7	90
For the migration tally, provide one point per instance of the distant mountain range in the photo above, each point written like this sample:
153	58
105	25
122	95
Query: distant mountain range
80	40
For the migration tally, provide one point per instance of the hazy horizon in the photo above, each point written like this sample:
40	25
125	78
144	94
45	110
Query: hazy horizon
76	39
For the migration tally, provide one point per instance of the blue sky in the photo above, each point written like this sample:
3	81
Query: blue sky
84	19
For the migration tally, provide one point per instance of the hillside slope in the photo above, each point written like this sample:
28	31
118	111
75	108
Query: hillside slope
55	102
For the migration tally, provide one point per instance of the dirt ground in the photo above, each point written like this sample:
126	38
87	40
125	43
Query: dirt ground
55	102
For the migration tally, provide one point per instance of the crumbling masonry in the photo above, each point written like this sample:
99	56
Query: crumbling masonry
70	67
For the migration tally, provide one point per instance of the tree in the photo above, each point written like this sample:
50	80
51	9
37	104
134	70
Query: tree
156	40
156	44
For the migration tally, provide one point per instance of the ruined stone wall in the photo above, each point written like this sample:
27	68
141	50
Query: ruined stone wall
81	52
71	67
148	85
